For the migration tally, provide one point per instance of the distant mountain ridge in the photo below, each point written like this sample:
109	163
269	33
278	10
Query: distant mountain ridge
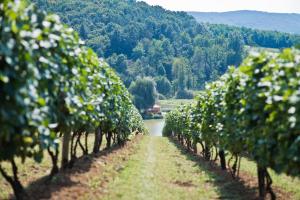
283	22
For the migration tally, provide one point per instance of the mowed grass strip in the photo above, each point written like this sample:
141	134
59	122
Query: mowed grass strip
170	104
159	170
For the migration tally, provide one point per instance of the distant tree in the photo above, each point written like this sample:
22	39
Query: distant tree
184	94
161	70
180	72
83	32
189	81
236	46
144	92
163	85
118	62
167	47
131	1
138	51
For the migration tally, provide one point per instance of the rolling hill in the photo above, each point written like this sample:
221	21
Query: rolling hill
283	22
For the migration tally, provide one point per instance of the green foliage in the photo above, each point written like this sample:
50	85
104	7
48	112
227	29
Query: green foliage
161	97
180	71
37	75
50	83
260	38
144	93
184	94
163	85
141	40
271	106
82	32
251	110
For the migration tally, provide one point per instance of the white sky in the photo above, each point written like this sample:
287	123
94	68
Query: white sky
281	6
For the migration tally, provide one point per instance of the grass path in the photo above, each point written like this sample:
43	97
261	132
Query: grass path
160	170
147	168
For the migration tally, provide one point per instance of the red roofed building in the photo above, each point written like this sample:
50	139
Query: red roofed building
155	109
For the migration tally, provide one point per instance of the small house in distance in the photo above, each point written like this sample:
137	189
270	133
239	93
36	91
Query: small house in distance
153	113
155	109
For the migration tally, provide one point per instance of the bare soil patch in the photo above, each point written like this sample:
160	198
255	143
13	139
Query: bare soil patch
184	183
88	177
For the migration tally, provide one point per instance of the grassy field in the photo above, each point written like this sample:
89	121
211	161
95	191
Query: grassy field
169	104
261	49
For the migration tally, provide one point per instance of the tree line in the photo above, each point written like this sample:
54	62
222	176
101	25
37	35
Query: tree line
54	90
258	38
250	111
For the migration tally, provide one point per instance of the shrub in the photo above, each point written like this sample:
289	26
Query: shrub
184	94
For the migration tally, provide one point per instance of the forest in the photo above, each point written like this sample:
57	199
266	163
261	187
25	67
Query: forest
139	40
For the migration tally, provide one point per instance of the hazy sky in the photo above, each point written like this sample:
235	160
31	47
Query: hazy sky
282	6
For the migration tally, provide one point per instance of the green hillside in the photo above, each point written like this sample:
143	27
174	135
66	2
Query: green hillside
139	40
